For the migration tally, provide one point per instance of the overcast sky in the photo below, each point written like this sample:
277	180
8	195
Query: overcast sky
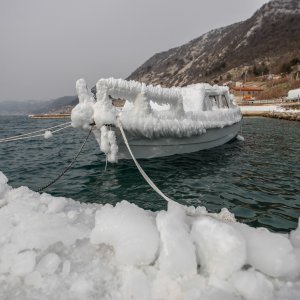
46	45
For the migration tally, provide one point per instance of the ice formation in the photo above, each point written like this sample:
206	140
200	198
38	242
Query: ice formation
57	248
152	111
48	134
294	95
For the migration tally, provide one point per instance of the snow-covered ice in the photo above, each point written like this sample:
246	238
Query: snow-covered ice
58	248
266	108
251	108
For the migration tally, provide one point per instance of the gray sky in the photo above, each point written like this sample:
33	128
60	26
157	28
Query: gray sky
46	45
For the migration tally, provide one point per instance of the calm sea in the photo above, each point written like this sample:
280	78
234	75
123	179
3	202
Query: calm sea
258	180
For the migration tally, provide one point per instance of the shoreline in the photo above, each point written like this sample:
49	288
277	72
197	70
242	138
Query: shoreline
290	116
272	111
50	116
275	115
268	111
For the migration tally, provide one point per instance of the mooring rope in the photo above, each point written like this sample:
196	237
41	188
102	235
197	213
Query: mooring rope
242	127
27	136
68	166
29	133
143	173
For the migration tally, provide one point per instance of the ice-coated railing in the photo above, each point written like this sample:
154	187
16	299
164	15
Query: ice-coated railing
179	99
192	103
130	90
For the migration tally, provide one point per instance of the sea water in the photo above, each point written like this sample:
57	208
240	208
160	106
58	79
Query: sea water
258	179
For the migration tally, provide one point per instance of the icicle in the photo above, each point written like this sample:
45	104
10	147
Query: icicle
240	138
112	154
108	144
104	141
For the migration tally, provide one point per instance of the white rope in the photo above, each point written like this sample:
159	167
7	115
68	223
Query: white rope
105	163
57	130
32	136
149	181
30	133
242	127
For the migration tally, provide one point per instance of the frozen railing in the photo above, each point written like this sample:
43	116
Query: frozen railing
129	90
155	110
189	98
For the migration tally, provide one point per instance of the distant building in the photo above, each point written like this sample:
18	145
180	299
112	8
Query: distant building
245	93
294	95
239	83
274	77
296	71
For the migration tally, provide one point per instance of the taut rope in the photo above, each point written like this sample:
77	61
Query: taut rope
143	173
68	166
32	134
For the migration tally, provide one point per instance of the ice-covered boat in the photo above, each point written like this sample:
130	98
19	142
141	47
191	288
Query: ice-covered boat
157	121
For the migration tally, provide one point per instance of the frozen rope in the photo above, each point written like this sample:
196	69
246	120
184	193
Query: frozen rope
105	163
240	137
68	166
30	133
143	173
32	136
242	127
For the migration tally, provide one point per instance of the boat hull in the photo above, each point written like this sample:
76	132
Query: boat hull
151	148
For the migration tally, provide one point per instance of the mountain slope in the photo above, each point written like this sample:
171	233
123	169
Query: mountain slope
36	107
272	34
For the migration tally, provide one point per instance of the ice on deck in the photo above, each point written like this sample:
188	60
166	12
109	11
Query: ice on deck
57	248
153	111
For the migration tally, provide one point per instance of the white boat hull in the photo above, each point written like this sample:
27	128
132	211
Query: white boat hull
150	148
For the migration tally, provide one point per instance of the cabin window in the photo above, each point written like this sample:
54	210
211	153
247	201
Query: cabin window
214	102
224	102
218	102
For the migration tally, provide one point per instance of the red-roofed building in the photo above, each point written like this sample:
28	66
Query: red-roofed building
245	92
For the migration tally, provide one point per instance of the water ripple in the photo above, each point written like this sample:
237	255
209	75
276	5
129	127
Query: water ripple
258	180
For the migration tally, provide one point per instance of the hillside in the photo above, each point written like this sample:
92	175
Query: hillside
263	43
61	104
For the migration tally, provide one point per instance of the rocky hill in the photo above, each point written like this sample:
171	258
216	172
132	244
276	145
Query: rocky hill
263	43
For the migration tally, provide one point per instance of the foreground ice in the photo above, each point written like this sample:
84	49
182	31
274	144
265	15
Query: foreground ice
57	248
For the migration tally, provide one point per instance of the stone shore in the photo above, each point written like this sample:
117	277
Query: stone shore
290	116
